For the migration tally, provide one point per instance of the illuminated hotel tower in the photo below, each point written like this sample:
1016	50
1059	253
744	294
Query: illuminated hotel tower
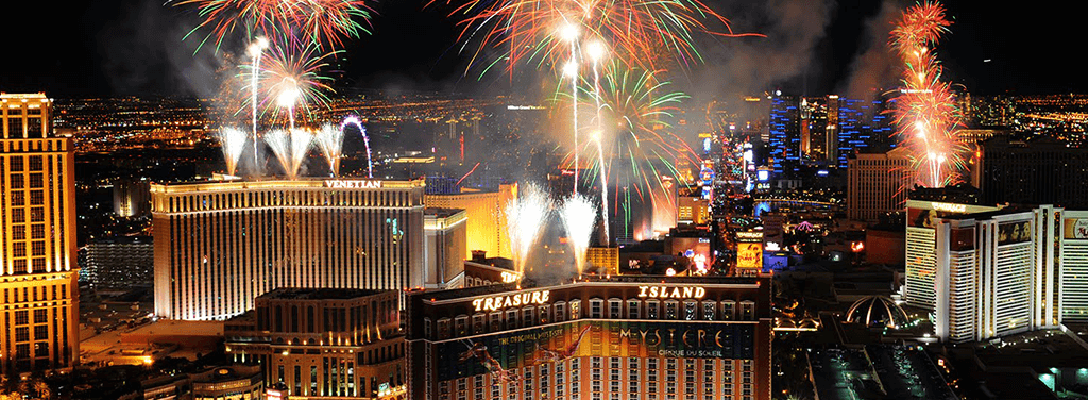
220	245
38	274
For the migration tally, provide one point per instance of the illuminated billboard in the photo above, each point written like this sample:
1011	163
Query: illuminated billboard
499	354
1076	228
1014	232
775	260
750	255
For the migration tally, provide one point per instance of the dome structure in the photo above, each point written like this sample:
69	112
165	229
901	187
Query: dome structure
876	312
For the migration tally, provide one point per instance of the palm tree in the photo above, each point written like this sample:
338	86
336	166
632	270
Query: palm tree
43	389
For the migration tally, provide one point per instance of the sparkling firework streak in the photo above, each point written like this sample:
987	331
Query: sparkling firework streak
322	22
256	49
232	141
353	120
926	112
526	215
290	148
578	215
330	139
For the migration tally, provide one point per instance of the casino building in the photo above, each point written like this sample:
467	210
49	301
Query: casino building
625	338
219	245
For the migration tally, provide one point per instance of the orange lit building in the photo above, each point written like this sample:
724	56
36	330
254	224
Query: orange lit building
485	228
692	210
605	259
38	272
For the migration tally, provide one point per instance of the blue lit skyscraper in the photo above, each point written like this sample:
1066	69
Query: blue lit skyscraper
862	125
784	144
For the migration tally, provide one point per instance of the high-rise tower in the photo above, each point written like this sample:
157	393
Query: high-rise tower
38	270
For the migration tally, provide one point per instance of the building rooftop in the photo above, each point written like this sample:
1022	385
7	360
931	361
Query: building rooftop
123	240
226	374
273	183
441	212
529	285
321	293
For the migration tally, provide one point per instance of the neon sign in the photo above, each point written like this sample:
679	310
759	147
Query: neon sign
341	184
499	302
949	207
677	292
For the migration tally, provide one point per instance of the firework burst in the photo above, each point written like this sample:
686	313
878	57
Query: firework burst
644	32
635	145
926	112
293	77
322	22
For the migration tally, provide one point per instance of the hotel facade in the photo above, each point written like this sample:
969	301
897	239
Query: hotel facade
624	338
38	268
220	245
987	272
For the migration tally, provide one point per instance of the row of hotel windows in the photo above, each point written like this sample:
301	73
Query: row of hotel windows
299	197
32	294
637	389
33	145
527	316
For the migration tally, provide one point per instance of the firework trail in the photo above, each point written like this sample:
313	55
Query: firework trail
290	148
596	52
926	112
322	22
256	49
330	139
526	215
353	120
578	215
570	33
232	141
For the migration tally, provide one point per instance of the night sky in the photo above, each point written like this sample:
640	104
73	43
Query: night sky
135	48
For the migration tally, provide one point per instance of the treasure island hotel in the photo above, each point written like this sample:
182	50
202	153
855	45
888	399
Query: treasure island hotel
625	338
38	273
219	245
